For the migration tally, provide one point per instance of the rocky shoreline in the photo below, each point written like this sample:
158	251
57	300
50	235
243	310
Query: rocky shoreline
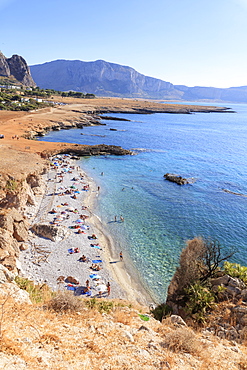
24	160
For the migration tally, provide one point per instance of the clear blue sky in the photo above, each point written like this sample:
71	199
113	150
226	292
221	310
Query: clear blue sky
189	42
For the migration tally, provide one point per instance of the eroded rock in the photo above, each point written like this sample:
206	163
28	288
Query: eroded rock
53	232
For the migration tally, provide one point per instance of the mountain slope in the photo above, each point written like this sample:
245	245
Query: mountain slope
100	78
109	79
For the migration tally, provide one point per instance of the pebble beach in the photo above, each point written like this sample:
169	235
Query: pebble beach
82	253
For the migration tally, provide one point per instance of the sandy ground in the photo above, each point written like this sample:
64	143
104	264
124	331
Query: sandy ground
46	260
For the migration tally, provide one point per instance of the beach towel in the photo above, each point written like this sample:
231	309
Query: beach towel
96	261
70	287
86	293
95	246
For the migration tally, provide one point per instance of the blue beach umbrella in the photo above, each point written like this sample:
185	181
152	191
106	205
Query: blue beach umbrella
95	276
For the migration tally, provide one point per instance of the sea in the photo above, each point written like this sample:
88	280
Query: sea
160	216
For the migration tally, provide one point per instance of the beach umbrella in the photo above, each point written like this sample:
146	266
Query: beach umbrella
101	288
95	276
79	221
84	227
70	209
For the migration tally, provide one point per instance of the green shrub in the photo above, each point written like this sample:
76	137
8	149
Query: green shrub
11	185
236	270
200	300
38	292
101	306
161	311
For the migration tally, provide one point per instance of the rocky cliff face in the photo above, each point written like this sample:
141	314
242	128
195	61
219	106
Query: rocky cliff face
16	67
109	79
101	78
4	67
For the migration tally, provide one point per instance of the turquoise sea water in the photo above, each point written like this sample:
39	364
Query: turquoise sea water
160	216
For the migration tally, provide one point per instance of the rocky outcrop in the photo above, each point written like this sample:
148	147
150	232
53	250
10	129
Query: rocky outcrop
232	287
177	179
16	196
16	67
4	67
52	232
88	150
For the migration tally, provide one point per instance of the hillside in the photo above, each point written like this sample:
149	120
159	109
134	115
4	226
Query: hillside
109	79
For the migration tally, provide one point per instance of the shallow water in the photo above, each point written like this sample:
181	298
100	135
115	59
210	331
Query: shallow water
160	216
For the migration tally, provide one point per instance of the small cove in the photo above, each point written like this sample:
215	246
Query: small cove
160	216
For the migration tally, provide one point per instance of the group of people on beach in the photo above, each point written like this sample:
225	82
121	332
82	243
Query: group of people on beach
62	166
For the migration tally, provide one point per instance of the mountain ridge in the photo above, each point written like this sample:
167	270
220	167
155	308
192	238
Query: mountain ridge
111	79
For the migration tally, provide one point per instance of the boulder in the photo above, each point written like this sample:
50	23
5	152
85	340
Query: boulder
20	231
53	232
233	291
5	275
244	295
177	320
223	280
17	294
236	283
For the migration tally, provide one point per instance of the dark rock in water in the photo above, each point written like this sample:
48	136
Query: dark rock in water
176	178
114	118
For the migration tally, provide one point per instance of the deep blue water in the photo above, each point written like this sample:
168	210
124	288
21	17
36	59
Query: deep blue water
160	216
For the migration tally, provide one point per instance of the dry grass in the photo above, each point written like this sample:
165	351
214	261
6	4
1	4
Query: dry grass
64	301
88	339
123	317
182	340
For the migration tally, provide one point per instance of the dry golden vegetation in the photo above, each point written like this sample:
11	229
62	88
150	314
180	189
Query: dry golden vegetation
71	333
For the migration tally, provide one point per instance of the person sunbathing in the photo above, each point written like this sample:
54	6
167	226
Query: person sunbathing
80	231
83	258
76	250
95	267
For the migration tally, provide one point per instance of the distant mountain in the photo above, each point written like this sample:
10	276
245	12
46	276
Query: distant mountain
109	79
15	68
